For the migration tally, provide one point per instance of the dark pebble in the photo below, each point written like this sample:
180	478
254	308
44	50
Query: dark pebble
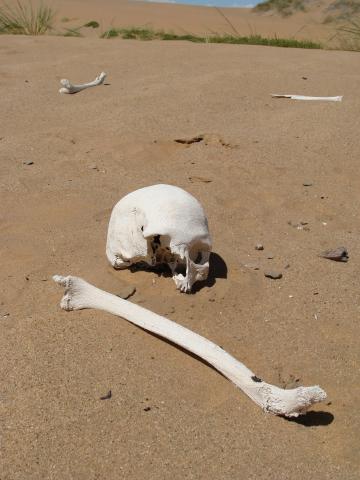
273	275
107	396
339	254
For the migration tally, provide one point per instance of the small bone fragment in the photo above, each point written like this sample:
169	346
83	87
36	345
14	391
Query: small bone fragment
304	97
68	87
340	254
289	403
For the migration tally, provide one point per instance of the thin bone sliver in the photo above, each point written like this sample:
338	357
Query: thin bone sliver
304	97
289	403
68	87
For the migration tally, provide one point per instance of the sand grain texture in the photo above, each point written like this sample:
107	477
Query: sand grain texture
92	148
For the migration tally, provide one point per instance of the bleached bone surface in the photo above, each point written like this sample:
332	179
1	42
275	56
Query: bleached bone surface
289	403
161	224
68	87
304	97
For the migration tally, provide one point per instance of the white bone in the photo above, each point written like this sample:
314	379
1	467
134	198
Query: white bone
161	224
289	403
68	87
304	97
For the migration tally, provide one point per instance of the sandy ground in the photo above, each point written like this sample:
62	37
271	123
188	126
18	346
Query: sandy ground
90	149
191	19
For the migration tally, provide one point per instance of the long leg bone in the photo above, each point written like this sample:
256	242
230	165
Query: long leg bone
68	87
289	403
305	97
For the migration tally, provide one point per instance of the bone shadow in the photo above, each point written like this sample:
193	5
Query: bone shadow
310	419
313	419
217	269
183	350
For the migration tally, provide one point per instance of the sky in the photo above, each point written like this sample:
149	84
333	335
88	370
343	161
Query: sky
214	3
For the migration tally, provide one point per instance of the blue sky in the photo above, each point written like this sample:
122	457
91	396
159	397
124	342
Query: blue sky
214	3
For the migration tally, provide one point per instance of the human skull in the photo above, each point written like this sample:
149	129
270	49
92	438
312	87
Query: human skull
161	224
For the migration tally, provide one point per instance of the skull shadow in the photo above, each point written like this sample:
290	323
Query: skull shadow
217	269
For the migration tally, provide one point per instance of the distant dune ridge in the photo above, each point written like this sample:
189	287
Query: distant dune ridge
297	19
317	21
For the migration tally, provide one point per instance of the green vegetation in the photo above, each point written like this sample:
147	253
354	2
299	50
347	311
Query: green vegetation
72	32
284	7
75	31
149	34
24	19
92	24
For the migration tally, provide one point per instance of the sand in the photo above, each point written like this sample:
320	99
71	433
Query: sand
170	416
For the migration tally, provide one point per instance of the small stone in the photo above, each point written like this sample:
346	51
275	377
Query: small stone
304	78
253	266
107	396
28	162
273	275
307	184
147	409
299	226
340	254
270	256
93	166
126	292
199	179
259	246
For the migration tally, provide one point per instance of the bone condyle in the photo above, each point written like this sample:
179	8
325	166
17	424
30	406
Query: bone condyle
161	224
68	87
289	403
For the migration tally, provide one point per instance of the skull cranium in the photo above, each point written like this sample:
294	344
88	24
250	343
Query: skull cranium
161	224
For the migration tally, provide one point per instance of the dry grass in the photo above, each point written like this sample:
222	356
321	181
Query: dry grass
24	19
284	7
138	33
350	35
